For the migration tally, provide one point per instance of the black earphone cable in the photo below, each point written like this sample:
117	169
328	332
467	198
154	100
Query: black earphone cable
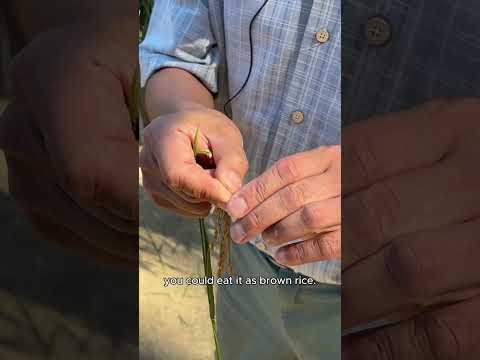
251	59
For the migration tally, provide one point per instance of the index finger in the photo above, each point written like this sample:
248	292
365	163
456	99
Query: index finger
283	173
384	146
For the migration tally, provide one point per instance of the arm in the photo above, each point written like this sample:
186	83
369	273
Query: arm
184	92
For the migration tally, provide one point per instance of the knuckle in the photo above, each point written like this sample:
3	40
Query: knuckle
365	159
259	190
293	197
359	221
325	247
436	338
385	204
299	253
251	222
405	270
383	345
311	218
366	218
286	169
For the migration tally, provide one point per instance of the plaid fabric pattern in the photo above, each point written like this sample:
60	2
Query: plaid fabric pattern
291	71
434	53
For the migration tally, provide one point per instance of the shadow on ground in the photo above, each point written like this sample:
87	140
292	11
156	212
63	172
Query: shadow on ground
174	320
55	305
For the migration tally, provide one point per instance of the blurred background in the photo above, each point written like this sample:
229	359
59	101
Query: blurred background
174	320
54	304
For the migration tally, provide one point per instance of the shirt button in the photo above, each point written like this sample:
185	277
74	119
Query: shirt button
322	36
378	31
298	117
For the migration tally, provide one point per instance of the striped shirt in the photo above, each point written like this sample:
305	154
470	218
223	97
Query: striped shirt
292	69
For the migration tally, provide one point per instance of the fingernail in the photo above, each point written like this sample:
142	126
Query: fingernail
237	207
237	233
232	181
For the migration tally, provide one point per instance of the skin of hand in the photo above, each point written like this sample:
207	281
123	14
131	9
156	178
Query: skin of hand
72	156
411	207
445	333
171	174
297	198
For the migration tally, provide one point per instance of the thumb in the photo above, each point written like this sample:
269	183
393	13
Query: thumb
231	164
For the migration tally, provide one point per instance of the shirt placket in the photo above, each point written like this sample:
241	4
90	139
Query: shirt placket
298	109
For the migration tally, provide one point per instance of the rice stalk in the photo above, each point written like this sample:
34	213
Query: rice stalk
207	262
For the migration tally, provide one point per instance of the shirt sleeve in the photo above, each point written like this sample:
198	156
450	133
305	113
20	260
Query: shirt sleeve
180	36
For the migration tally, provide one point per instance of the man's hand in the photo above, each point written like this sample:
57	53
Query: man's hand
447	333
297	198
170	173
67	137
411	223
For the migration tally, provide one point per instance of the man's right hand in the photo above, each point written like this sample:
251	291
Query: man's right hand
170	173
411	219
